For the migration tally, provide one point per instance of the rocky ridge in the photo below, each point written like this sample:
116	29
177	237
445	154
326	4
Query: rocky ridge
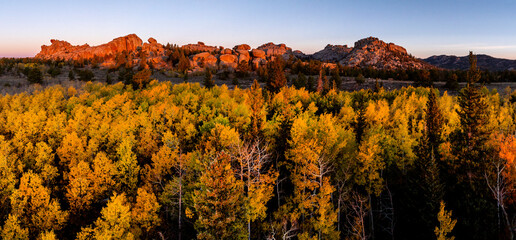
65	50
375	53
367	52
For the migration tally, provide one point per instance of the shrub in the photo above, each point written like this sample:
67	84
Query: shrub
85	75
360	79
35	75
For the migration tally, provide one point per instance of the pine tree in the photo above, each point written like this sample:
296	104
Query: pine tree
276	77
335	77
208	79
426	184
471	161
474	120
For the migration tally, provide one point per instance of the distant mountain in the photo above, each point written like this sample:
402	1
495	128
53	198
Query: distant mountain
484	62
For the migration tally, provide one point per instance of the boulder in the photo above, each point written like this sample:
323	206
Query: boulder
243	57
226	51
257	53
205	59
229	60
244	47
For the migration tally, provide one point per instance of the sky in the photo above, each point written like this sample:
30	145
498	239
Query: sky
424	28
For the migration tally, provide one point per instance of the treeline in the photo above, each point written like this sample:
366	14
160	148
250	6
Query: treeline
182	162
178	59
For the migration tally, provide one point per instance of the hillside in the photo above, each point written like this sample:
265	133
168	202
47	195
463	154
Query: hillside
484	62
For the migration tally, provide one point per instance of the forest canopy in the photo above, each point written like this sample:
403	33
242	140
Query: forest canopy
182	161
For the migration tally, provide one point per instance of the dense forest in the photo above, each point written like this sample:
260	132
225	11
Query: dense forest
164	161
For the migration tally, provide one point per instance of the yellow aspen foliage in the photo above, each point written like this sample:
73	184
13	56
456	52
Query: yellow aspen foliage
104	172
79	191
369	161
148	140
47	235
257	103
8	176
145	212
446	224
45	163
222	137
377	113
315	144
32	204
12	229
127	166
114	222
72	150
163	161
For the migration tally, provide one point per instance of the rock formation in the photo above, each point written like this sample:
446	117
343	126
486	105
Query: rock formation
204	59
367	52
244	47
272	49
332	53
228	60
372	52
200	47
257	53
66	51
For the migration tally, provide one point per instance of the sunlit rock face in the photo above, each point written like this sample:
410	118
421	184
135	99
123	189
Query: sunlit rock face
66	51
367	52
272	49
375	53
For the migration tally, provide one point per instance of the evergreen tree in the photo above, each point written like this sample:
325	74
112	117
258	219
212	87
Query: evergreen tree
469	193
427	187
218	202
335	77
208	79
184	63
276	77
310	84
320	82
35	75
473	116
300	81
71	75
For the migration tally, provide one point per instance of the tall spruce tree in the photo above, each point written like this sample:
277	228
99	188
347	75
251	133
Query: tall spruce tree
427	187
468	192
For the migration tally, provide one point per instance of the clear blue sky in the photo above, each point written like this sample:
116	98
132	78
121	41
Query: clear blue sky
424	27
